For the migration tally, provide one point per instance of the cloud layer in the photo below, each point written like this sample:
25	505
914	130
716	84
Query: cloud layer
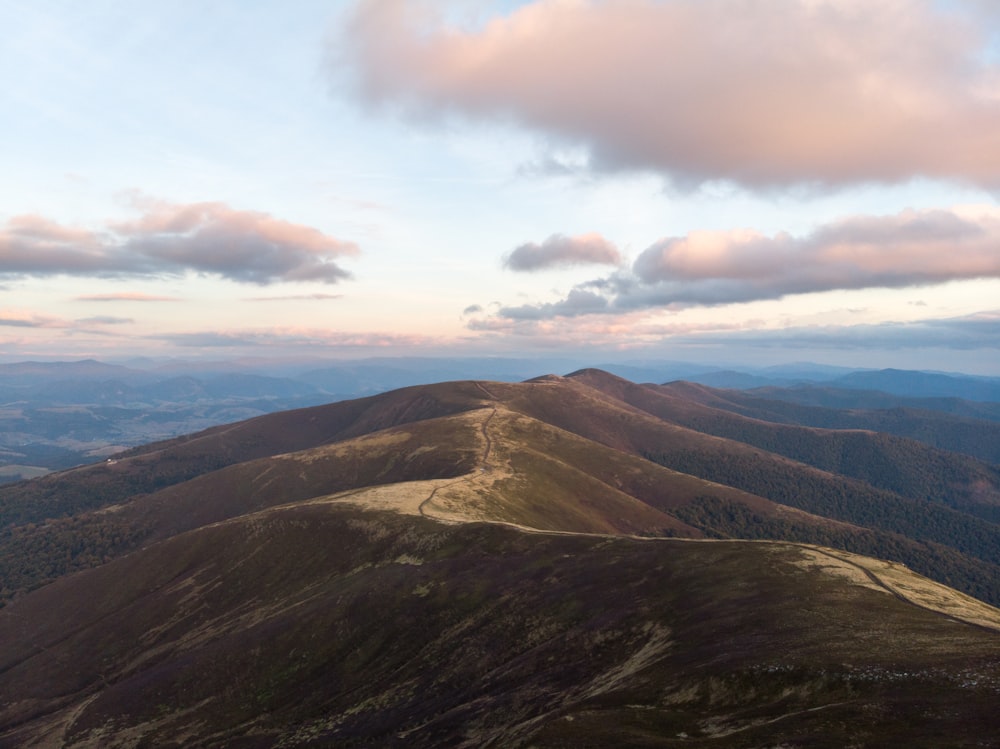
126	296
16	318
169	239
967	333
970	340
560	251
765	93
912	248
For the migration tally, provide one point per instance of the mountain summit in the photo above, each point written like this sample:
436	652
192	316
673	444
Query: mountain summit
568	561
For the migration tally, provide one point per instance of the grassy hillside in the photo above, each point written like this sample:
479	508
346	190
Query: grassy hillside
906	467
548	564
323	624
591	453
957	426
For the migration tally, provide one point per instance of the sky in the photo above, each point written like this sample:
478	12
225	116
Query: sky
725	181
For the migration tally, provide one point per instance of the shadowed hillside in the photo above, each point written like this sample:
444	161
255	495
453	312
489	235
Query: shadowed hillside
570	444
260	632
907	467
503	564
954	425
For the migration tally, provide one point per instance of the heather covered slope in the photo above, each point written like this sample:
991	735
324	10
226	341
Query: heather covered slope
323	623
948	424
486	564
591	452
484	464
905	466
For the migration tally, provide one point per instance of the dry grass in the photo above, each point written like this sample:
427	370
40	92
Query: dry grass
902	582
484	495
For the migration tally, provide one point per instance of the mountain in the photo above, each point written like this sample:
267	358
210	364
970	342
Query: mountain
845	398
733	379
31	372
906	466
565	561
923	384
144	400
148	400
898	382
952	424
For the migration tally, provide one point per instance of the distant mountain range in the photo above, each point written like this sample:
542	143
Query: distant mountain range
56	415
564	561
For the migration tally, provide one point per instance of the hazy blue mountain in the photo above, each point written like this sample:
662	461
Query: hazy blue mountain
923	384
845	398
58	414
733	379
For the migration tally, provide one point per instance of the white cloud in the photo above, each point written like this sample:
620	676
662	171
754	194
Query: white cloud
764	93
911	248
170	239
560	251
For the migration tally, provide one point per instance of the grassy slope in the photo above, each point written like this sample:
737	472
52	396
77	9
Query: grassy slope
272	605
897	464
827	397
534	475
163	464
923	533
573	461
261	630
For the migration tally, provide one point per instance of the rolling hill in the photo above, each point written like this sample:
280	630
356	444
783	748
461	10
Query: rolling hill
566	561
949	424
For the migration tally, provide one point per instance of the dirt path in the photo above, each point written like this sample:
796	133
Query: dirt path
879	582
434	491
889	588
482	386
489	441
484	464
909	588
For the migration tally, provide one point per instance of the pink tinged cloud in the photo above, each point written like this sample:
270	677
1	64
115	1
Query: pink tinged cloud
979	332
105	320
31	243
295	298
15	318
293	338
912	248
909	249
126	296
610	332
169	239
560	251
765	93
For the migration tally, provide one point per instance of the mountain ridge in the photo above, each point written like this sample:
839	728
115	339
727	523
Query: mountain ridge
483	564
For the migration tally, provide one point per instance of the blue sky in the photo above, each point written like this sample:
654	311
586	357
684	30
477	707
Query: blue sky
713	181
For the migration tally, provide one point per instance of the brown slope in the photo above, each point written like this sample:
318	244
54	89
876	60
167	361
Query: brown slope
427	450
562	403
487	464
421	452
322	625
507	466
529	444
897	464
163	464
172	462
973	434
546	478
938	541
